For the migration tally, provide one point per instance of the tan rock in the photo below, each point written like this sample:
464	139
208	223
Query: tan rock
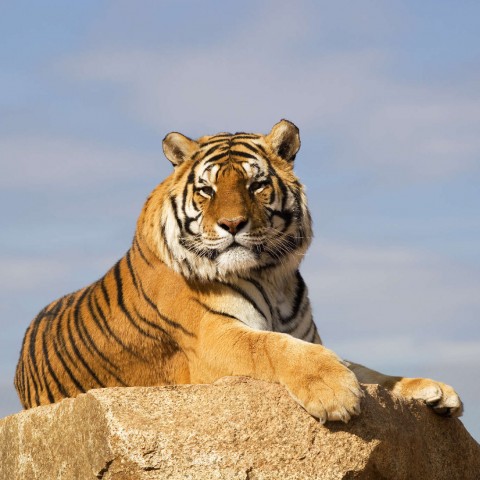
237	428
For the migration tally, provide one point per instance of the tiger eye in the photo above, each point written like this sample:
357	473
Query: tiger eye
256	186
206	191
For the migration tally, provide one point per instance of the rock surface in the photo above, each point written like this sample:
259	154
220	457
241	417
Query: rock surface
237	428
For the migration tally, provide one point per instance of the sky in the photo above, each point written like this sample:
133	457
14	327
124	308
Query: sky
387	101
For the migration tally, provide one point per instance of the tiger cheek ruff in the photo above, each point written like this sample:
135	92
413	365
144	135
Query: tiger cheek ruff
209	287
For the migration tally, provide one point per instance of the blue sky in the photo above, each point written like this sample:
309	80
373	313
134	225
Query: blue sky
387	100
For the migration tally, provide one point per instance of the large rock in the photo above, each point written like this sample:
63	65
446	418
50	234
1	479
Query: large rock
237	428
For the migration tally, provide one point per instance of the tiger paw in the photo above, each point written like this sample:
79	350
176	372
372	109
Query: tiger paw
329	393
442	398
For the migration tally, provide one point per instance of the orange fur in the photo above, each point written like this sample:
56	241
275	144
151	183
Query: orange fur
210	287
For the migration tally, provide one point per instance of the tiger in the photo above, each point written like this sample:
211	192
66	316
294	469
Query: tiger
210	287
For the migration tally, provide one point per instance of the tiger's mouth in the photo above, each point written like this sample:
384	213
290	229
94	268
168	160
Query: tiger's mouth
242	248
254	248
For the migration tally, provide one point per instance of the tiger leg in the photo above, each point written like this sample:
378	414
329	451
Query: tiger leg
440	397
314	376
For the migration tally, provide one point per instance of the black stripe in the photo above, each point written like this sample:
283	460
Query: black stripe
173	203
33	383
111	333
273	195
213	159
246	296
71	319
243	135
32	367
165	241
297	301
188	220
260	147
121	304
22	378
104	291
89	341
238	153
262	291
27	386
25	397
284	190
67	369
217	139
62	345
59	385
253	147
130	269
216	312
137	244
152	325
167	320
94	350
214	148
47	386
184	196
34	373
95	317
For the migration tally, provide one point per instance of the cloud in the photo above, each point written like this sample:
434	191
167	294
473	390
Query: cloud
422	134
407	352
391	292
59	162
257	75
60	271
22	273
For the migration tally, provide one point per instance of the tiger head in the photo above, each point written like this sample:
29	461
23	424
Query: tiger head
231	207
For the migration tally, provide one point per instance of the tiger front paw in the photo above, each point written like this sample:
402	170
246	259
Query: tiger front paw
442	398
325	388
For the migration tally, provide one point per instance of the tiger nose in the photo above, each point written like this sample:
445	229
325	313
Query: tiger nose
232	225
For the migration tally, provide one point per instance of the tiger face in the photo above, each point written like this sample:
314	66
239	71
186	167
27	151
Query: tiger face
233	204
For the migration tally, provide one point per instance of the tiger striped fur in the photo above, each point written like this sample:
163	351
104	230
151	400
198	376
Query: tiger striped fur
210	287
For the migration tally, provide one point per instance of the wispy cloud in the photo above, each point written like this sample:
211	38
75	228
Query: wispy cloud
52	275
375	291
407	352
403	130
59	162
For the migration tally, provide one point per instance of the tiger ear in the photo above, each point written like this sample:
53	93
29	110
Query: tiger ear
178	148
284	139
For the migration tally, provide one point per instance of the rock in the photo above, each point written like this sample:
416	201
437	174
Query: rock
237	428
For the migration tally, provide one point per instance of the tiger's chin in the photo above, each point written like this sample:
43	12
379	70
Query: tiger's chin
236	259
